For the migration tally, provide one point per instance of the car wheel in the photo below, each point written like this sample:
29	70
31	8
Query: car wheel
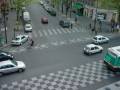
90	54
101	51
20	70
1	74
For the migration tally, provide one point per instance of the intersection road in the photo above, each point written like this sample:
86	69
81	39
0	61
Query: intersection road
58	65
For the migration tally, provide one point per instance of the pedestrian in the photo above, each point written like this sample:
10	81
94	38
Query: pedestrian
90	26
71	25
92	30
76	18
118	27
32	43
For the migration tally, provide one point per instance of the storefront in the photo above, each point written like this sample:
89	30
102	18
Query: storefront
101	14
78	8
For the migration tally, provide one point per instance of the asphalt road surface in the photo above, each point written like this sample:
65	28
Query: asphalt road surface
57	61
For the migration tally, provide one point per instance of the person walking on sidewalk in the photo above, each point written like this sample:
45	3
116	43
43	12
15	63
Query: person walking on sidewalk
71	25
76	18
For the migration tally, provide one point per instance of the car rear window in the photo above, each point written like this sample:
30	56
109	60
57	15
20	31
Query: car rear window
95	38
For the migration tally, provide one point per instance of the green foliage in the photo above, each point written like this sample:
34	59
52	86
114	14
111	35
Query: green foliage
21	3
108	4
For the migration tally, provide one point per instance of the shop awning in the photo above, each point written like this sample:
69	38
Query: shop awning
77	5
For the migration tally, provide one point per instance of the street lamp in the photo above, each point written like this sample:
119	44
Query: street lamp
4	13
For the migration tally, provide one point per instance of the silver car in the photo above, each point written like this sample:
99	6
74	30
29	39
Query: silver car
92	49
100	39
9	66
28	28
19	39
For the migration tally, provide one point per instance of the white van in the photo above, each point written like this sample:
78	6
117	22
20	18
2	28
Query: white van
26	16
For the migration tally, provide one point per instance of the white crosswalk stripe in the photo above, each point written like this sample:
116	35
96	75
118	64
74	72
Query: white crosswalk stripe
45	33
76	29
63	30
59	31
40	33
68	30
54	31
50	32
34	33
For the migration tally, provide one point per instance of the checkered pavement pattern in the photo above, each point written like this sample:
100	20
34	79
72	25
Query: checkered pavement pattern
113	86
69	79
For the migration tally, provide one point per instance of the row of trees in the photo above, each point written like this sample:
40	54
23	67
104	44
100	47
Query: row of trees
110	4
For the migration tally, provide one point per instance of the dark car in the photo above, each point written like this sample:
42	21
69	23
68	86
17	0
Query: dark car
51	11
64	24
44	20
5	56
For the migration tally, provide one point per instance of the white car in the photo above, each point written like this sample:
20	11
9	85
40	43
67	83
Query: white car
9	66
100	39
92	49
28	28
19	39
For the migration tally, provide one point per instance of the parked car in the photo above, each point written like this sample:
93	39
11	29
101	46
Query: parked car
64	24
41	2
9	66
26	17
51	11
92	49
44	20
100	39
28	27
46	6
5	56
19	39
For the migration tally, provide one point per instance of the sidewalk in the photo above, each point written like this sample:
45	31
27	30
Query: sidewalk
11	25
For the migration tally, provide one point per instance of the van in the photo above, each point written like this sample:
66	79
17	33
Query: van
26	16
112	58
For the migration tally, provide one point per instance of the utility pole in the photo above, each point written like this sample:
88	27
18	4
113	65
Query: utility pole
95	21
4	12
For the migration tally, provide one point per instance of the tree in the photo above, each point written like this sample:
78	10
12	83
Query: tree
111	4
19	4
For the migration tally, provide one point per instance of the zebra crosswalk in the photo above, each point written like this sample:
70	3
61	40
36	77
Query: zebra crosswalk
56	31
49	44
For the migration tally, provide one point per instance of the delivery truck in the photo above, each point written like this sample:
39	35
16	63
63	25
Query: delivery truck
112	58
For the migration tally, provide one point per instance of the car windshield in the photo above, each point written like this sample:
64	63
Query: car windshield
17	38
14	62
87	48
27	26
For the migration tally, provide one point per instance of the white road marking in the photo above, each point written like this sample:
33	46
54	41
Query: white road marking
54	43
72	41
68	30
59	31
22	49
62	42
54	31
78	40
43	46
50	32
73	30
45	33
40	33
63	30
37	46
34	34
76	29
